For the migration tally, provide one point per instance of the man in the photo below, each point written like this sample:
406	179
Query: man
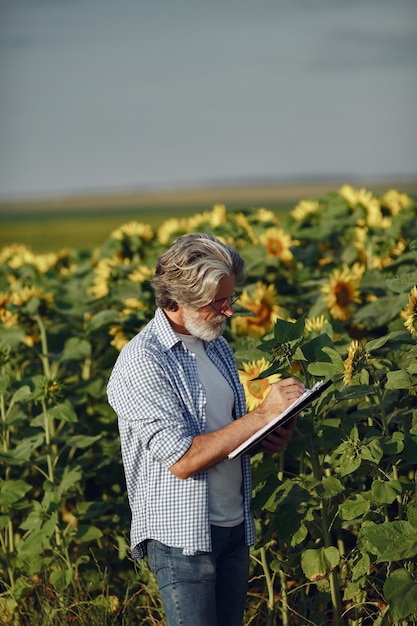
181	411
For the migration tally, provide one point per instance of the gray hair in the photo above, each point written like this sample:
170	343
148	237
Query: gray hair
188	273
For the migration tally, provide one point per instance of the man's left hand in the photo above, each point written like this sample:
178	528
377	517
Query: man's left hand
279	439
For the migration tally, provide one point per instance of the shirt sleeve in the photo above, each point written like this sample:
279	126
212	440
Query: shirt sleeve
148	403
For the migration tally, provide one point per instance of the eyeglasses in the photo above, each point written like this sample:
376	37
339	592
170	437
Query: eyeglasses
222	304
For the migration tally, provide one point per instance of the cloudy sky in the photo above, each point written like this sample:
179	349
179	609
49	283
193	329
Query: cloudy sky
104	95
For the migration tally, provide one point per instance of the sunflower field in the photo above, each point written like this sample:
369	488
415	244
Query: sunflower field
330	294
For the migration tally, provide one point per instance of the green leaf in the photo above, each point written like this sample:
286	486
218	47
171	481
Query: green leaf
330	366
34	544
11	335
82	441
391	541
399	379
400	590
372	452
274	368
61	578
4	520
76	349
394	444
412	512
22	452
70	478
403	282
12	491
330	486
361	566
374	344
23	394
289	331
412	368
386	492
263	495
354	507
64	412
103	319
86	533
319	563
349	465
287	520
381	311
313	349
353	392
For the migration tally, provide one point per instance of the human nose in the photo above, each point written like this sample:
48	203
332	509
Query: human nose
227	308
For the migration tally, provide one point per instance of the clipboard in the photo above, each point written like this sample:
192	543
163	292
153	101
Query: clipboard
293	409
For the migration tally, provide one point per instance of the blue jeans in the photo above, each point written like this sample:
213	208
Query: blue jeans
208	589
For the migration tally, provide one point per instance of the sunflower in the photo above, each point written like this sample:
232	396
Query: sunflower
213	218
377	252
144	231
356	359
22	295
350	194
410	313
265	215
341	292
17	255
218	215
131	305
169	228
304	209
13	252
367	200
243	221
102	274
314	325
256	389
264	306
141	274
278	243
107	271
356	196
120	339
395	202
8	319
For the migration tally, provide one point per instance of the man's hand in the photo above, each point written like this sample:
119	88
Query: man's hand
279	439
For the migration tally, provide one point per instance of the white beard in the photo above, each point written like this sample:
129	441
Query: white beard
206	330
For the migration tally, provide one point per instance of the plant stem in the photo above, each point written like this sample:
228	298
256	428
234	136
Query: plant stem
399	501
335	591
48	442
44	346
7	539
284	595
270	587
379	395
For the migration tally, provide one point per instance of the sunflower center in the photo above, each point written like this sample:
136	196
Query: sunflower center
262	312
342	294
275	246
257	388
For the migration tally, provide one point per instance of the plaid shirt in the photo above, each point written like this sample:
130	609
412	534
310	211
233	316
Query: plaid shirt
160	403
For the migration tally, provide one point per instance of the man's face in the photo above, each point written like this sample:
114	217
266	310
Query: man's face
203	328
209	322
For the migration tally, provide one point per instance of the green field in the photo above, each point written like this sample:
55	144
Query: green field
51	233
50	224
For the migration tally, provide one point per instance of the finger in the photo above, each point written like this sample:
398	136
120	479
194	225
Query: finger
273	447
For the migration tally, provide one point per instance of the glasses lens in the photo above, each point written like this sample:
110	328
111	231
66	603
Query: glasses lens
229	302
224	303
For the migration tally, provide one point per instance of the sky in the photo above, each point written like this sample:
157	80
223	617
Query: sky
98	95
